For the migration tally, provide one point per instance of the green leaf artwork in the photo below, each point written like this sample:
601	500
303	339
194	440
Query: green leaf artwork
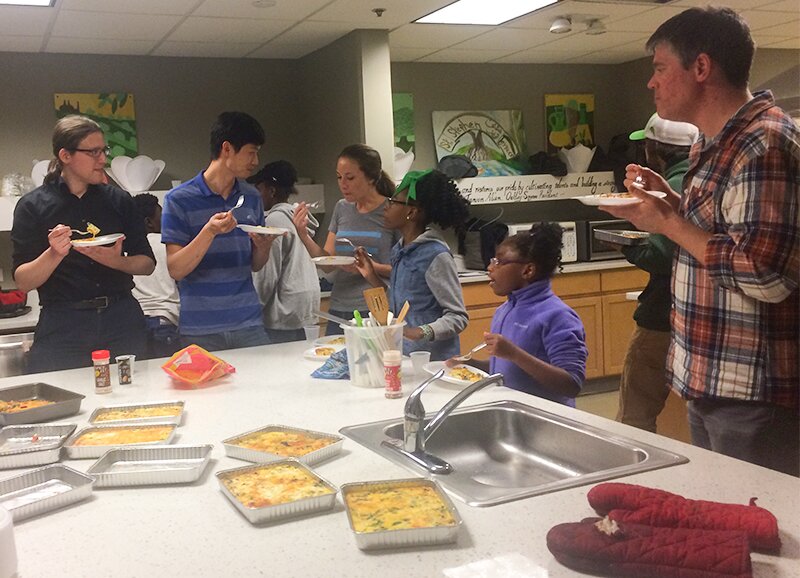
113	111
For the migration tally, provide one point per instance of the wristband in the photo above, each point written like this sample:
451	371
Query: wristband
427	332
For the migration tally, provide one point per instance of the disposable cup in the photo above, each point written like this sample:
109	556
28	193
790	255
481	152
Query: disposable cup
365	347
312	332
418	361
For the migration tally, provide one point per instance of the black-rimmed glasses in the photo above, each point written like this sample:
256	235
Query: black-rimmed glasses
495	262
393	201
95	153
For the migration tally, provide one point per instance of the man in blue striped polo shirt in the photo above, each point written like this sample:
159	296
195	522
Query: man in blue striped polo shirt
210	258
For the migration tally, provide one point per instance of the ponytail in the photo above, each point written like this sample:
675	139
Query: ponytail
385	185
68	134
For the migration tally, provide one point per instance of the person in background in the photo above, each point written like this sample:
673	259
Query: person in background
735	351
210	258
84	291
642	388
423	270
288	285
536	340
357	217
157	294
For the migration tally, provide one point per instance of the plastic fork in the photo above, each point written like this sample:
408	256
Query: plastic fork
239	203
349	242
468	355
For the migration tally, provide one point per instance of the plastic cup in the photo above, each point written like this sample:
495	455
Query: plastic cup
419	359
125	368
312	332
365	347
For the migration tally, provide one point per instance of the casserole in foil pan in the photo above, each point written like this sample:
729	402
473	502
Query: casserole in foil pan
117	435
143	466
629	238
42	490
61	403
375	507
150	412
332	445
22	446
266	493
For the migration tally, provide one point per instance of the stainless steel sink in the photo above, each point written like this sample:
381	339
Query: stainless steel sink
506	450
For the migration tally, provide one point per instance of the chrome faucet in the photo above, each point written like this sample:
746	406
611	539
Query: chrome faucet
416	433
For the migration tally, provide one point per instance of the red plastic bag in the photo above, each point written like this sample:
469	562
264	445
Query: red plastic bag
194	365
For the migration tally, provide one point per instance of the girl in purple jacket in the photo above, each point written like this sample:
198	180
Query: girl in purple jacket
536	341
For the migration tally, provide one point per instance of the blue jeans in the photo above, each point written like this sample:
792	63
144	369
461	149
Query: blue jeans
66	337
247	337
162	338
764	434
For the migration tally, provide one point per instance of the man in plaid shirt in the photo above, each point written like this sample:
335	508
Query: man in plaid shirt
736	318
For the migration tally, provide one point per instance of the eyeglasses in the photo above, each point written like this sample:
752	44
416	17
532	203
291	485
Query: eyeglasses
95	153
495	262
393	201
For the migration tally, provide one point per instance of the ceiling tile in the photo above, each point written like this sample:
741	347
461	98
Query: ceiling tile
204	49
607	57
535	56
787	43
283	9
202	29
318	34
98	46
281	51
70	23
766	20
456	55
781	6
432	35
399	54
507	38
16	19
9	43
358	13
735	4
179	7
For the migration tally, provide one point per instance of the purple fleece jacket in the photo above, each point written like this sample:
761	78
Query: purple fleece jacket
536	320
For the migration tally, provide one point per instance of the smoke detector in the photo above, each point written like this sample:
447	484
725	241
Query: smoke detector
561	25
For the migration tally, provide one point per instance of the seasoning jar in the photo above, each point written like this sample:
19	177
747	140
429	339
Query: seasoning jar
391	373
102	371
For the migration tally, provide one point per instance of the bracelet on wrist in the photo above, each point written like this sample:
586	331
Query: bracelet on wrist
427	332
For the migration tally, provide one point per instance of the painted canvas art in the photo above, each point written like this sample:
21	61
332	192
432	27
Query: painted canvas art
494	141
113	111
570	120
403	112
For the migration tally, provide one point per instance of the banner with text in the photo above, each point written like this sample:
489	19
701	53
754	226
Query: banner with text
524	188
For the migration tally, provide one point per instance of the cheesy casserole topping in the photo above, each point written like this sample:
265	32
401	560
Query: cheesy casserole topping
275	484
123	435
284	443
13	406
138	412
324	351
397	508
464	374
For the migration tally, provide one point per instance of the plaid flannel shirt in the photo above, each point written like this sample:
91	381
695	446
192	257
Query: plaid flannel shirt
736	321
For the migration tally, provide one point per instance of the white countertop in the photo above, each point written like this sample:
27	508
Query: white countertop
177	531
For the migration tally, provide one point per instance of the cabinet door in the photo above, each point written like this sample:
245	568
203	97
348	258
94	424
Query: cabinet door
618	326
480	320
589	309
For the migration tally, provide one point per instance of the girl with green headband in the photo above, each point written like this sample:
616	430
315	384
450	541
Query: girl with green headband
423	270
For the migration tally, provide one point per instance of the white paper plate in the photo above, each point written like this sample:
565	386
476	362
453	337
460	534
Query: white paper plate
333	260
311	352
595	200
332	339
101	240
262	230
435	366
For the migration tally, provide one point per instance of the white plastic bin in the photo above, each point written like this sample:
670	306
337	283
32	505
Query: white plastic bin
365	347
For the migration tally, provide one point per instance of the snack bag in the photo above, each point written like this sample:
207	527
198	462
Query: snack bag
194	365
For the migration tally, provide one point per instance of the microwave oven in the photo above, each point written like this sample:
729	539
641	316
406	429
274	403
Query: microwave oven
592	249
569	250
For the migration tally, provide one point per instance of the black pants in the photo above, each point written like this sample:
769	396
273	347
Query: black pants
66	337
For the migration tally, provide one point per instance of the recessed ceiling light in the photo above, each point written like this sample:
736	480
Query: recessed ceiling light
42	3
483	12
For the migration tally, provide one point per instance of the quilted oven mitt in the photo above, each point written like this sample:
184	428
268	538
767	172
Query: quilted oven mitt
607	548
641	505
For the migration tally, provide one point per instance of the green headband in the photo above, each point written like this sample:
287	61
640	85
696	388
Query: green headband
410	182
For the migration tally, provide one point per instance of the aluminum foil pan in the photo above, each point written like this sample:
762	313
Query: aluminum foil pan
234	451
22	446
43	490
143	466
81	452
65	403
176	419
269	514
405	537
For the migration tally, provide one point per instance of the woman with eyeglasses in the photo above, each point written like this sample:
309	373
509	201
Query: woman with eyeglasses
423	270
536	340
358	217
84	288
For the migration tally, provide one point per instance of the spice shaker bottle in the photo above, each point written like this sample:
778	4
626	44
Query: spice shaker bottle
102	371
391	373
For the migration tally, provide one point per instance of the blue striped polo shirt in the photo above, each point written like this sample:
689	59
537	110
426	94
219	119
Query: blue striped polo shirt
219	294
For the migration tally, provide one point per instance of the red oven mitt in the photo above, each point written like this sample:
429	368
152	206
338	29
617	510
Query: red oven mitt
641	505
637	551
